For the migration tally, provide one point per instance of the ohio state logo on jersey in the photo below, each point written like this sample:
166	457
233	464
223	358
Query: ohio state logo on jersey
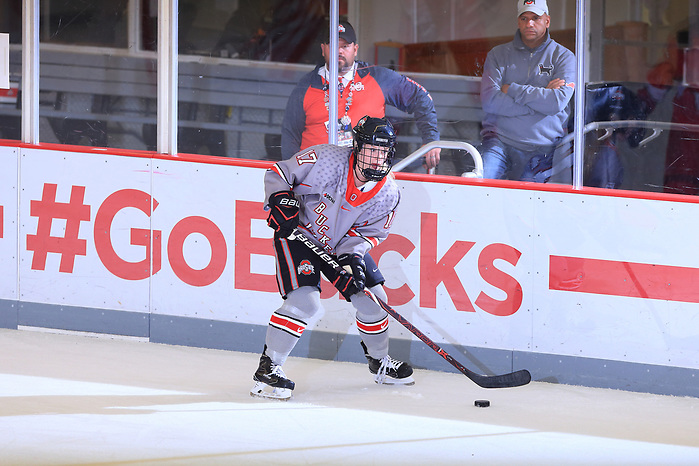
306	268
358	86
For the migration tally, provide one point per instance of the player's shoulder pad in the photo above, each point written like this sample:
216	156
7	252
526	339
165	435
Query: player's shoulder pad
390	186
331	154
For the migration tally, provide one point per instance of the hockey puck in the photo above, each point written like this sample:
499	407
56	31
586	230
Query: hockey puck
482	403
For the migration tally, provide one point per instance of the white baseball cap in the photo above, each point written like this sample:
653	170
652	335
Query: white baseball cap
538	7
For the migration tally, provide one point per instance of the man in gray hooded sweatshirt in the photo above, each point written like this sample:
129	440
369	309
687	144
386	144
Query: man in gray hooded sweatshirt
526	87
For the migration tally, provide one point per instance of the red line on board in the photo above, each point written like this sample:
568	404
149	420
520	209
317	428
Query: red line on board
630	279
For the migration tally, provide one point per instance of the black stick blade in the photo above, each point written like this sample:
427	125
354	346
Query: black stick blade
513	379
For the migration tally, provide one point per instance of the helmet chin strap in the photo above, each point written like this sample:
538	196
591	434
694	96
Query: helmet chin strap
358	179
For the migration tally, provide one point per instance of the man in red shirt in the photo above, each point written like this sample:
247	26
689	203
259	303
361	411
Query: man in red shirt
363	89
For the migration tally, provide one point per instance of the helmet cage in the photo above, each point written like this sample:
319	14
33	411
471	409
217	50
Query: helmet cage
374	132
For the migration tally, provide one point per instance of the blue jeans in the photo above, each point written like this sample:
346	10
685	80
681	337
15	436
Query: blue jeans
501	161
607	170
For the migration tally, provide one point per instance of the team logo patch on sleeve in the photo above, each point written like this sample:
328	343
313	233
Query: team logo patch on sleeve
373	328
287	324
306	268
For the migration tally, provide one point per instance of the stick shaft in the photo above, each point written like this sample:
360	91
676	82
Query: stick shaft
513	379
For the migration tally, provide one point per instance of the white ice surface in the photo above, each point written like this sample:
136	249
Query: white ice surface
73	399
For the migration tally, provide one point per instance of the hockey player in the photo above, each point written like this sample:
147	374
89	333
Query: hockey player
344	201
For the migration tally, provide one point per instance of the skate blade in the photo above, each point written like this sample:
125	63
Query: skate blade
391	381
262	390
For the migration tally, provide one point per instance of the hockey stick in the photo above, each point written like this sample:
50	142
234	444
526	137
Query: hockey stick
512	379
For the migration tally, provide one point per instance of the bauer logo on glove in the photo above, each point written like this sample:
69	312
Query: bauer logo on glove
283	213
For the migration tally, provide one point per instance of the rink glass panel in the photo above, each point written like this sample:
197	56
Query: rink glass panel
238	62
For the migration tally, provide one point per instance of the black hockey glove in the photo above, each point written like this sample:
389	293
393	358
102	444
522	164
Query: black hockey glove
283	213
345	284
357	266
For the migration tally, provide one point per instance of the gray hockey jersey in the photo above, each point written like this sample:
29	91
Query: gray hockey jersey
340	217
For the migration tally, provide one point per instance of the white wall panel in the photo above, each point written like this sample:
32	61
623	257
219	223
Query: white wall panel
85	188
8	222
187	192
469	265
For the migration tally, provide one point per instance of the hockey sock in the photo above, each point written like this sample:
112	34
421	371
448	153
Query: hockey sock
286	325
372	322
379	292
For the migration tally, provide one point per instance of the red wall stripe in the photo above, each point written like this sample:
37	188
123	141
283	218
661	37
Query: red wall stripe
629	279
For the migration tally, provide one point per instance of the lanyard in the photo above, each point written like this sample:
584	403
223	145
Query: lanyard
345	120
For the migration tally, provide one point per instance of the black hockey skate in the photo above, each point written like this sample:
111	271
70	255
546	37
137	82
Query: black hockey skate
388	370
270	380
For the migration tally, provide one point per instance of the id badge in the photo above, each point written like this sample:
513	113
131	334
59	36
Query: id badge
344	137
